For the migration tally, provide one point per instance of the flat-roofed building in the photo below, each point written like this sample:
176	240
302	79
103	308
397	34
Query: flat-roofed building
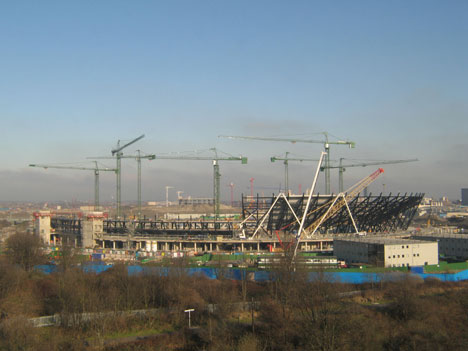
450	245
386	252
464	196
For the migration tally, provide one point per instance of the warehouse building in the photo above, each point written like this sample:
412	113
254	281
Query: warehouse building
450	245
386	252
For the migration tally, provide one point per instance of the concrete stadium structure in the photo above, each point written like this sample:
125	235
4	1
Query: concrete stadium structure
95	230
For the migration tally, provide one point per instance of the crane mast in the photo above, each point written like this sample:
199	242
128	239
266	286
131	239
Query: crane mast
326	143
138	157
118	155
216	174
95	169
286	160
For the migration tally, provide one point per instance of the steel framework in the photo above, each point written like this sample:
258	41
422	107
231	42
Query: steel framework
148	228
381	213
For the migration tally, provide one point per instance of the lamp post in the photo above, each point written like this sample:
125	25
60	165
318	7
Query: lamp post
189	311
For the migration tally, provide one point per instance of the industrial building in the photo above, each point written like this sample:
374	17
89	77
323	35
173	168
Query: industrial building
386	252
450	245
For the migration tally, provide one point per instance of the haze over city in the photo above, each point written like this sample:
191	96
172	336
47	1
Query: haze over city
79	76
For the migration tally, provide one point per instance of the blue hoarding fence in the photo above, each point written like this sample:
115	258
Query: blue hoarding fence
263	276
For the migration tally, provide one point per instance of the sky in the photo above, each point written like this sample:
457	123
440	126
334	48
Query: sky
77	76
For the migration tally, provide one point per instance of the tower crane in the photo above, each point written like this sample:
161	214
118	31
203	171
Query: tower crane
326	143
216	175
95	169
138	157
286	160
342	167
117	152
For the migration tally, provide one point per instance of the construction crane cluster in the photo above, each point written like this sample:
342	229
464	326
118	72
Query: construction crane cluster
325	142
341	167
138	157
217	156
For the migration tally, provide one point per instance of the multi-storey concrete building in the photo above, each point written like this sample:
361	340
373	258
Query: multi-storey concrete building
386	252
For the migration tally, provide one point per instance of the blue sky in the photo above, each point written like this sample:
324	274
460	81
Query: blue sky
78	76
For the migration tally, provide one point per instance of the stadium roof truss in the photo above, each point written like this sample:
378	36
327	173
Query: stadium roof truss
381	213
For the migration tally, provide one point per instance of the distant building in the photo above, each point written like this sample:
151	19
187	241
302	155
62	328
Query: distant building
450	245
386	252
196	201
457	214
464	196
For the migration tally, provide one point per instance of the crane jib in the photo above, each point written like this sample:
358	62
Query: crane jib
377	172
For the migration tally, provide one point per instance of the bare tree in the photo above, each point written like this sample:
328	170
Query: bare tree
25	249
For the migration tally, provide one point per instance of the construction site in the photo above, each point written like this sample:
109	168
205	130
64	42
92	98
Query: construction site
306	222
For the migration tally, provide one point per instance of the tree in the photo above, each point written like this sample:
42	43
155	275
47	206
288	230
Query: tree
25	250
66	257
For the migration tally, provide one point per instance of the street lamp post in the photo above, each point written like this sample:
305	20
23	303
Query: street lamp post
189	311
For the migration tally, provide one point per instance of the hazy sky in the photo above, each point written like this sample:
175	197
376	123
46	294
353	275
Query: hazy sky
76	76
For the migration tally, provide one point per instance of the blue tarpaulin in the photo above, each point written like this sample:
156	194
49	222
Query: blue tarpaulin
261	276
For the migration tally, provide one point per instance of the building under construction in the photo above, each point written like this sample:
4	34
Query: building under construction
266	222
94	229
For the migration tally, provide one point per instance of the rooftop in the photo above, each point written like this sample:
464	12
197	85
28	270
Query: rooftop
440	235
384	240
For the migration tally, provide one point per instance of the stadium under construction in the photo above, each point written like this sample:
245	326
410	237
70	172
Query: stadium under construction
266	224
306	222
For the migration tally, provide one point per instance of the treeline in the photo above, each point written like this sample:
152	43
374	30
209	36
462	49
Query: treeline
289	313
